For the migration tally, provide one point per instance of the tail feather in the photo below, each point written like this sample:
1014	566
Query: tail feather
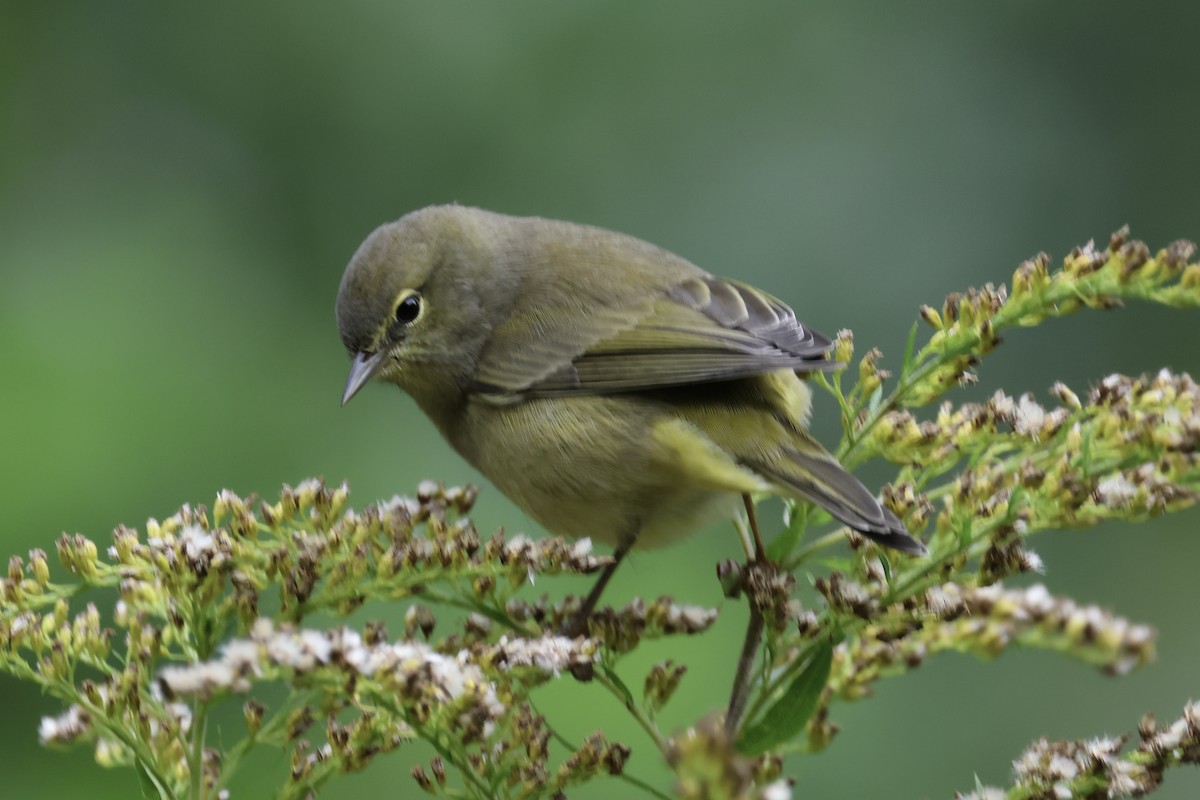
817	477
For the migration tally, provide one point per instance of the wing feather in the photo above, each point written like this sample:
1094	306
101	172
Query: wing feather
668	323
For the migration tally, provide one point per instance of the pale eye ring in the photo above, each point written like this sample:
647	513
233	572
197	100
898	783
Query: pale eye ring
408	309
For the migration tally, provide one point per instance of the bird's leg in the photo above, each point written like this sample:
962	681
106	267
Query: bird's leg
578	624
754	630
760	552
741	679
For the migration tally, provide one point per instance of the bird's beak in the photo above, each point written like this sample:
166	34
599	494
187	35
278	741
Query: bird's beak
362	370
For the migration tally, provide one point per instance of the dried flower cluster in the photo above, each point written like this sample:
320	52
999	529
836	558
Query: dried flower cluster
709	765
968	325
1129	449
195	576
1098	767
1078	476
983	621
620	629
218	607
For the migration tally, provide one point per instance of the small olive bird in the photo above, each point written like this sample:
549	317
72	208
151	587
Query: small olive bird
609	388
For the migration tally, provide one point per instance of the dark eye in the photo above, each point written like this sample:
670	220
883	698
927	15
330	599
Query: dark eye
408	309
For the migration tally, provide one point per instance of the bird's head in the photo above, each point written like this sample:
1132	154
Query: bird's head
420	297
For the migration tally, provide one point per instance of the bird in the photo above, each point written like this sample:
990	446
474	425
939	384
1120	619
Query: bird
610	388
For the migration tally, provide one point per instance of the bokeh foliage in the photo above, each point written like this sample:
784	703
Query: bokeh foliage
180	188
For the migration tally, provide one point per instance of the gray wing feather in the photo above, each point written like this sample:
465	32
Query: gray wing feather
704	329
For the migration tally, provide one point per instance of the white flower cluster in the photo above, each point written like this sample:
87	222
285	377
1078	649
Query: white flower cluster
1097	768
551	654
76	722
1182	731
65	728
779	790
301	651
1059	764
1027	417
1016	610
983	793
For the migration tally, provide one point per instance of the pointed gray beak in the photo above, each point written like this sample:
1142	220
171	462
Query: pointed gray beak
362	370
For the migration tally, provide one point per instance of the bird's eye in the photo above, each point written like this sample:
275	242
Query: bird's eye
408	309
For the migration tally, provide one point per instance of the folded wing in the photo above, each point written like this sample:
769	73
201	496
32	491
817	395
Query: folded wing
700	329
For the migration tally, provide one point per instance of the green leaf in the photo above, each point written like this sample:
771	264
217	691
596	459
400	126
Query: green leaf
791	713
783	544
619	685
840	563
876	399
906	364
886	563
964	532
1085	452
151	789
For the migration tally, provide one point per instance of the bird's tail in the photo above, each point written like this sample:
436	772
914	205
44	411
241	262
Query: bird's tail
808	470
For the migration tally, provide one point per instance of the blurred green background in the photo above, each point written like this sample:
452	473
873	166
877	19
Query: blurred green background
181	186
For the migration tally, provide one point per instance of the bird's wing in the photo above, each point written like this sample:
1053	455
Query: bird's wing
699	329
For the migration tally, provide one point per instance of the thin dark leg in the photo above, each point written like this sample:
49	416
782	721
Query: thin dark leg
578	625
741	679
754	630
760	552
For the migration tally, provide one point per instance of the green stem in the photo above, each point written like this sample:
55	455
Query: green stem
806	552
202	635
436	742
461	764
1014	310
277	722
623	776
196	767
139	749
607	678
494	614
796	660
854	437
